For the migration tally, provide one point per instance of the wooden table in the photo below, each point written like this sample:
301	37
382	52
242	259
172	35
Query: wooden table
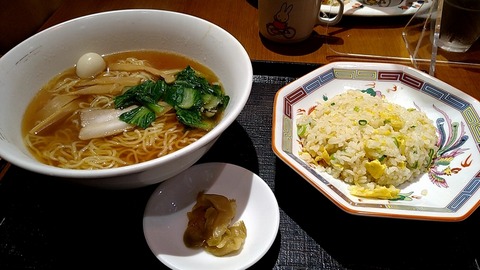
381	36
46	224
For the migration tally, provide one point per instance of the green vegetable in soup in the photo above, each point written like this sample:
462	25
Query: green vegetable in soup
194	99
139	116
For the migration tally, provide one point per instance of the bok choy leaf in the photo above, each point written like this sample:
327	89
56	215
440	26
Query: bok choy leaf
195	100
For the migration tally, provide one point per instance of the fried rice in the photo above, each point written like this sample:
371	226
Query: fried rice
368	142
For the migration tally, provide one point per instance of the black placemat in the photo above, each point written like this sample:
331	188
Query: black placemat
47	224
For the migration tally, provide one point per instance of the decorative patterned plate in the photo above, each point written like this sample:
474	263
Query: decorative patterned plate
165	219
449	191
378	7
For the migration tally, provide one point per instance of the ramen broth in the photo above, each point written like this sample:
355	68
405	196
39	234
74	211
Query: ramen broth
59	145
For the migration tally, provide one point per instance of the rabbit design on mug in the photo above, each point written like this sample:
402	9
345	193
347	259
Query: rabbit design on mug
279	26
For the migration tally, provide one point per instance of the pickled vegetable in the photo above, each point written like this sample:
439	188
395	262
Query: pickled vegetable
232	240
209	225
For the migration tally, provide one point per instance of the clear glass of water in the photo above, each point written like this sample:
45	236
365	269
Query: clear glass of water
460	25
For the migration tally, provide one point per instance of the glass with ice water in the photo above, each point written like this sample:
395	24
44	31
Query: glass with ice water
460	25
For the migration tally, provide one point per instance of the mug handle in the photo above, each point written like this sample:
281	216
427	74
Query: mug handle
334	20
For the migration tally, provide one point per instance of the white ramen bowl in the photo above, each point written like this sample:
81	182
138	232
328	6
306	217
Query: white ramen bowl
32	63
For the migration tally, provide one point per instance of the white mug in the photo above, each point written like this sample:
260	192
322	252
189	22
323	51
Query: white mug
291	21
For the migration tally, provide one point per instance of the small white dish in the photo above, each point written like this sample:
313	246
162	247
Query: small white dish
449	191
165	218
357	8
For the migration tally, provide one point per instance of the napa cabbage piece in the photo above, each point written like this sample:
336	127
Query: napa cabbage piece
209	225
94	121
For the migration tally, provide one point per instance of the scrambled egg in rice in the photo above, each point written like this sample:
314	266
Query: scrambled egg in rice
367	142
